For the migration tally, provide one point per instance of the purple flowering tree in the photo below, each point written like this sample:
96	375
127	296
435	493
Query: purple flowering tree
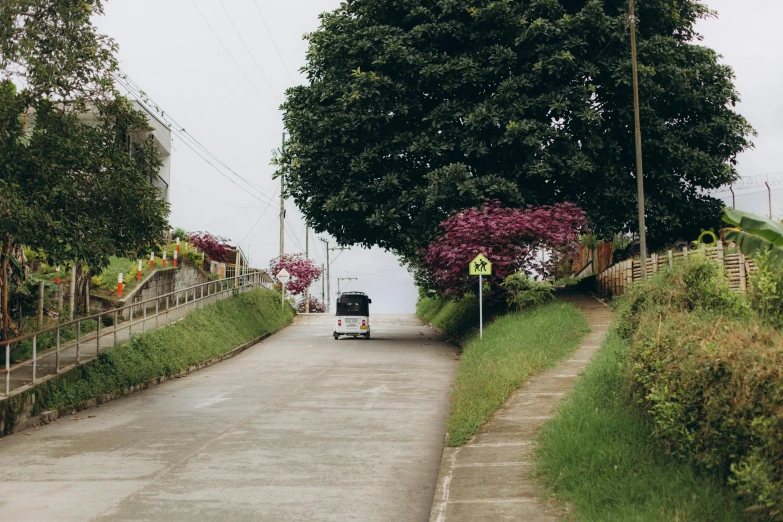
512	239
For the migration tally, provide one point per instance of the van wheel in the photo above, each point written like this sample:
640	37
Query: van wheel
336	337
367	335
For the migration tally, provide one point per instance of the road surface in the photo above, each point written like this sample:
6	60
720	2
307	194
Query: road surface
299	427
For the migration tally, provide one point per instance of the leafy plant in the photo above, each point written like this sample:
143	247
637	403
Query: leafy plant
213	246
510	237
316	306
766	289
524	292
181	233
755	234
303	272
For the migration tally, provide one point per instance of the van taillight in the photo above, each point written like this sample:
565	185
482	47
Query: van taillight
364	322
339	322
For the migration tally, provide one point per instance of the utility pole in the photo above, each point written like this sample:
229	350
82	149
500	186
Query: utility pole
344	279
328	273
282	206
638	124
323	283
328	286
307	256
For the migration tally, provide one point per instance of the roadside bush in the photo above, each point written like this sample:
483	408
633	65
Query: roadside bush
695	284
713	386
524	292
457	318
766	290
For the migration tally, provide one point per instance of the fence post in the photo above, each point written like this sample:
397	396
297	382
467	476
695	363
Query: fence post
98	338
40	304
71	295
685	252
87	296
144	323
115	327
130	323
35	356
7	369
78	339
654	263
671	259
743	273
57	353
721	254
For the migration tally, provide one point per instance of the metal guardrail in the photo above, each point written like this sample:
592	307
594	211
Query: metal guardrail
200	292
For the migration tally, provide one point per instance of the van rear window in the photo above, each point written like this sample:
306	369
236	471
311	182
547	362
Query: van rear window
353	306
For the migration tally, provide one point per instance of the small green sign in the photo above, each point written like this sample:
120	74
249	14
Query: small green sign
480	266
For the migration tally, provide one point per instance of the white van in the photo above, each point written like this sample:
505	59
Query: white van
353	315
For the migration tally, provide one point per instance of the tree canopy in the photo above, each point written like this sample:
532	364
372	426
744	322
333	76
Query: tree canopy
417	108
75	156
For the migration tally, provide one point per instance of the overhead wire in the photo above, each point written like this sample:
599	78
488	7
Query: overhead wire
279	54
247	48
138	93
139	98
254	225
231	56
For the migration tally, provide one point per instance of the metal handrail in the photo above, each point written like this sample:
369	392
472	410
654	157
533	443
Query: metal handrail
252	279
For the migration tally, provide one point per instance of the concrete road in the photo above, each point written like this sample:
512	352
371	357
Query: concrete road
299	427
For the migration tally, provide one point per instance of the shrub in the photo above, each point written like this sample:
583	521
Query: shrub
713	386
316	306
695	284
524	292
766	290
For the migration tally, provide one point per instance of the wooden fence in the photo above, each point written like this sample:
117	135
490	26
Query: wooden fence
614	280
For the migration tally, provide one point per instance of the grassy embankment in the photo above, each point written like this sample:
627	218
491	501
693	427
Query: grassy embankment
201	335
603	460
679	415
516	346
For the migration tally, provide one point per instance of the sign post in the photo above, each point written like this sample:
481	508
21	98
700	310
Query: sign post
283	276
480	266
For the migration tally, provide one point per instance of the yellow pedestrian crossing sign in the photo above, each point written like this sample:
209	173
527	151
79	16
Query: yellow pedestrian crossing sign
480	266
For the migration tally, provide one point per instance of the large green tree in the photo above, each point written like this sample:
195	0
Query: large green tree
75	156
415	108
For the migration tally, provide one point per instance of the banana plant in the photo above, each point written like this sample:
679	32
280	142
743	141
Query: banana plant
754	234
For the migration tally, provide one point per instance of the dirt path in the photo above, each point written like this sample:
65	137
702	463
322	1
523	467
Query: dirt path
486	479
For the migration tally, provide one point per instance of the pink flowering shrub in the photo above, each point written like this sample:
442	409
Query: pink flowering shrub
303	272
316	306
512	239
211	245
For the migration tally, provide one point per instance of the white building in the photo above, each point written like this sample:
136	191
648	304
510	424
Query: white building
162	136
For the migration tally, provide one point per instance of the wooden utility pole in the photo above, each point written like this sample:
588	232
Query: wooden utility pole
282	206
638	125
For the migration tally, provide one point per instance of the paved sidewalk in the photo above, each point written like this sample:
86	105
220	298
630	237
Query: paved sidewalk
487	479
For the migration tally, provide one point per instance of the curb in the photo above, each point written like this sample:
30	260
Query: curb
50	416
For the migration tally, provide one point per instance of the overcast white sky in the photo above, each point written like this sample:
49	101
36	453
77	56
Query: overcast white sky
231	108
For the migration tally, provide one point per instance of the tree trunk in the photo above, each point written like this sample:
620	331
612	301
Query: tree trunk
83	275
5	267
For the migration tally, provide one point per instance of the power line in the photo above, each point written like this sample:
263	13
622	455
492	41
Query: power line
274	43
255	224
252	56
143	98
231	56
189	141
213	202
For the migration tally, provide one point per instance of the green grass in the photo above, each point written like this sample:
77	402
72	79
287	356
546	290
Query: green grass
200	336
600	457
515	347
458	319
